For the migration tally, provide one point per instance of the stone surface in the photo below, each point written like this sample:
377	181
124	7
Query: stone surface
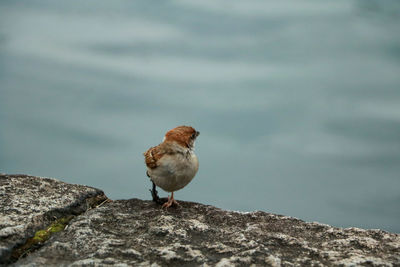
139	233
30	203
136	232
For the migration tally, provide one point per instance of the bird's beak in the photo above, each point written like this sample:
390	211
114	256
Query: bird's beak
197	133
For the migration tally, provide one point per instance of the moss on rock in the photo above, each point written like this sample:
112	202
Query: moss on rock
57	226
41	236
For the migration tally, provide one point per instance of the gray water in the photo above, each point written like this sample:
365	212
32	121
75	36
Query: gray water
297	102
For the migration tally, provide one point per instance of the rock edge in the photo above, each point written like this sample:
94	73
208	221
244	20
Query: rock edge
30	203
136	232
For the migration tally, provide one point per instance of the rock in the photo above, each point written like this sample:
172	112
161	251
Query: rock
139	233
29	204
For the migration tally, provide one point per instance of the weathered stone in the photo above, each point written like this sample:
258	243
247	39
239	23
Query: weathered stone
135	232
29	204
139	233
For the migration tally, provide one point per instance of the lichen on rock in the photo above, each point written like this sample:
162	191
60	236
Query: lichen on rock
139	233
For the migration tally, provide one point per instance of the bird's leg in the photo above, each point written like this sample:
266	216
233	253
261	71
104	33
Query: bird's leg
174	202
171	201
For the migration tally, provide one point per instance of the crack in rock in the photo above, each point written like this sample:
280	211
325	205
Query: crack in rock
30	204
140	233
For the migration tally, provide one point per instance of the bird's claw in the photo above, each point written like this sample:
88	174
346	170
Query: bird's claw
171	202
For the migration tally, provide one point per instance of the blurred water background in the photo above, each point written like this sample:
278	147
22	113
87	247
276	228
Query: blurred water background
297	102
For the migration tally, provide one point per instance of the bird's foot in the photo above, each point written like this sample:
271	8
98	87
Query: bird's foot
171	202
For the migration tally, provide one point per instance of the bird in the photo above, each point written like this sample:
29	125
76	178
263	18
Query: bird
172	164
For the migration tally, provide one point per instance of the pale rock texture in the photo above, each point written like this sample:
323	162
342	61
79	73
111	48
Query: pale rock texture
139	233
30	203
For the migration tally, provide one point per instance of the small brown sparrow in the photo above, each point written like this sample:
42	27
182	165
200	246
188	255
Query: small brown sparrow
172	164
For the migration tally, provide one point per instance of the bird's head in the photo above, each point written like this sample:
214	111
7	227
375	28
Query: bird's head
183	135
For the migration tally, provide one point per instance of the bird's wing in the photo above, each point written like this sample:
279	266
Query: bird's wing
152	155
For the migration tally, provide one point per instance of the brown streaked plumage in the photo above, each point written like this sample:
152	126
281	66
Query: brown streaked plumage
154	154
183	135
172	164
